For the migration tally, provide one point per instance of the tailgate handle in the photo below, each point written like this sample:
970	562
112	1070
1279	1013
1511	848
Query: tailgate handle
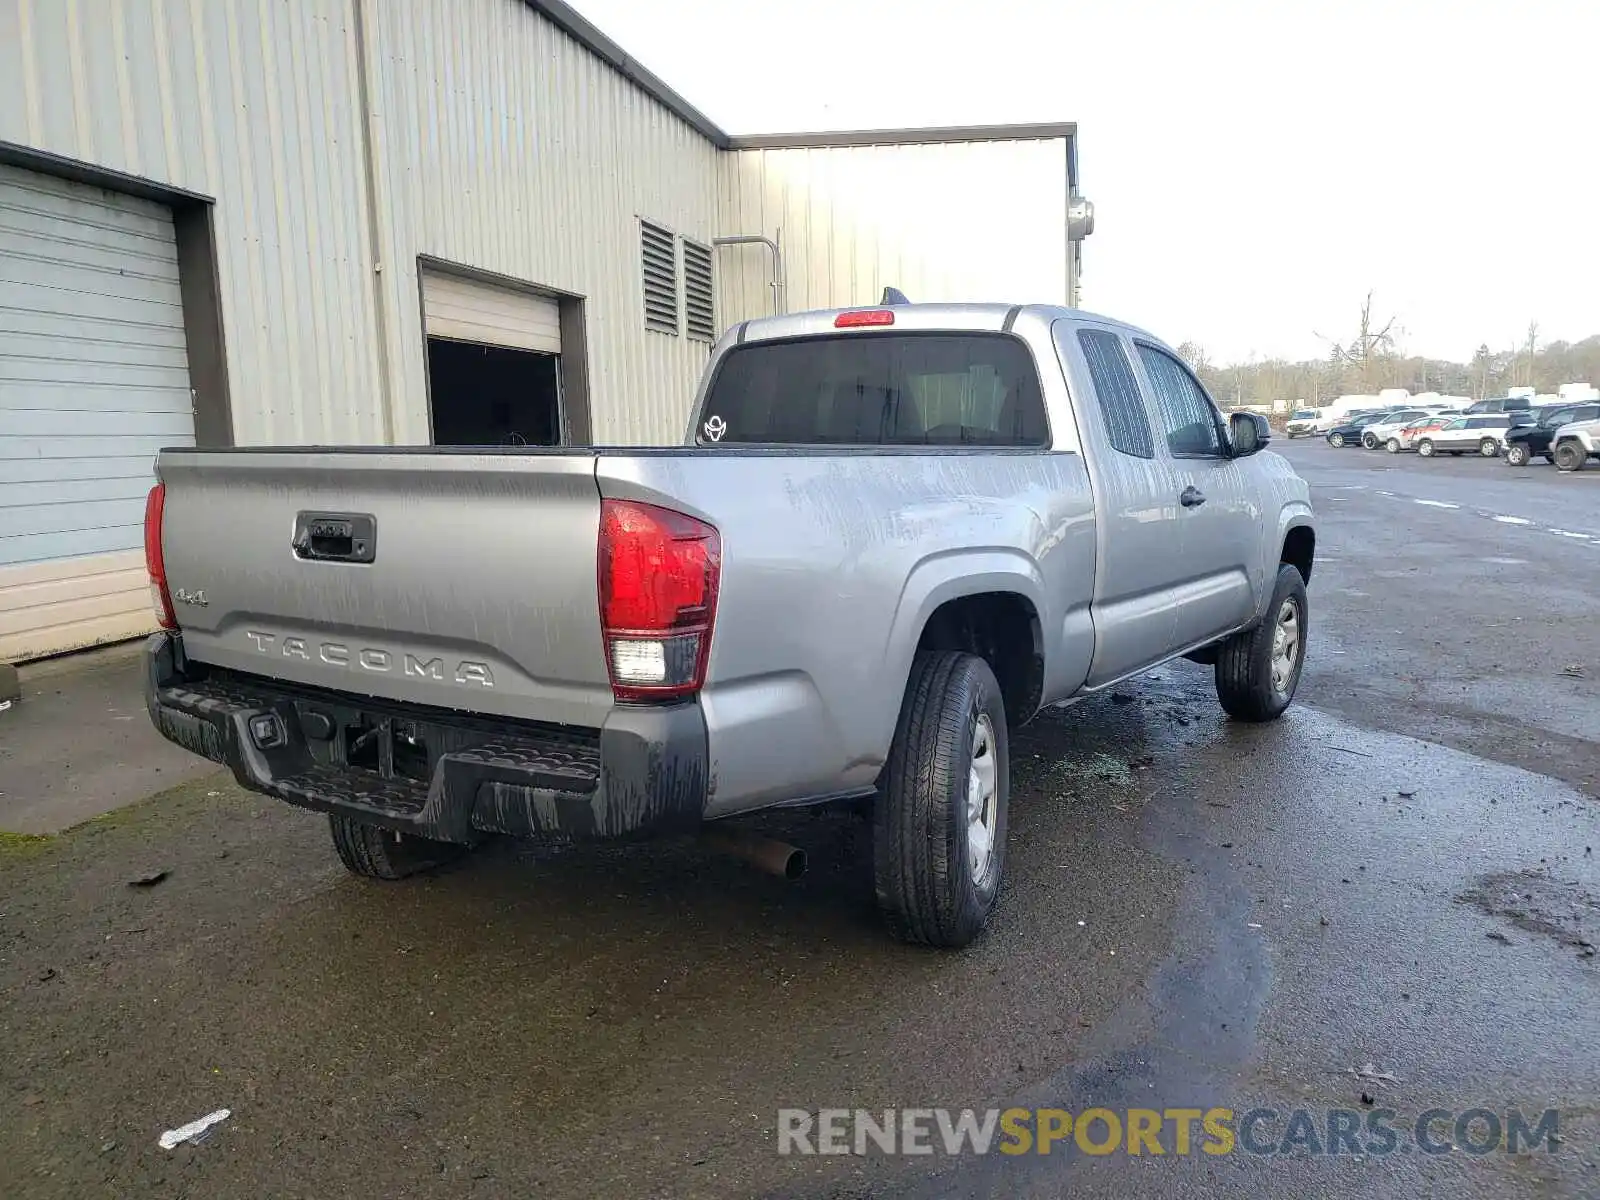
336	537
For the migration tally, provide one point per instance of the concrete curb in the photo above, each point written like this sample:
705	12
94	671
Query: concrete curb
10	684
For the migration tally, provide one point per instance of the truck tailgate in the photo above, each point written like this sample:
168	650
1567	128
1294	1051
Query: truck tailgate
480	592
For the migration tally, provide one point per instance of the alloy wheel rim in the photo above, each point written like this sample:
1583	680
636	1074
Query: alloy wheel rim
982	801
1285	647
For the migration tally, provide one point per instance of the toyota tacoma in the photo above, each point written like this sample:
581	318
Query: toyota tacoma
893	535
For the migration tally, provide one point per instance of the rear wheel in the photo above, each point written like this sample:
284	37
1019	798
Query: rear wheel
1392	445
1518	455
1425	447
1336	440
1259	669
1570	456
384	854
939	825
1489	448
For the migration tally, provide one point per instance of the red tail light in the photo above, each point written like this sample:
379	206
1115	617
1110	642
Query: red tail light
659	574
160	599
864	316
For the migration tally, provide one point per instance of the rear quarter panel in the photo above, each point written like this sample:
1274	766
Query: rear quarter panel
831	566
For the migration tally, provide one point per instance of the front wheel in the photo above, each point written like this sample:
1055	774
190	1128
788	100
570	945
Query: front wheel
1425	447
1392	445
1336	440
1518	455
1259	669
1369	441
383	854
939	825
1489	448
1571	456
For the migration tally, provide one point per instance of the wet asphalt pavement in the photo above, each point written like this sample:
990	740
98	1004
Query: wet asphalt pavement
1402	873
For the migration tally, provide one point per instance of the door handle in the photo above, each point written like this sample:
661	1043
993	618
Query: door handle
1192	497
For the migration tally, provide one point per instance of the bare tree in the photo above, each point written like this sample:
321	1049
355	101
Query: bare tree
1195	355
1370	354
1530	347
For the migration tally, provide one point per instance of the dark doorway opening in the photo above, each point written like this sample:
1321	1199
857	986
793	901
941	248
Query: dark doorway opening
492	395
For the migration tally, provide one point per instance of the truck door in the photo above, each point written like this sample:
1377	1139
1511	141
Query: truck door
1134	621
1217	534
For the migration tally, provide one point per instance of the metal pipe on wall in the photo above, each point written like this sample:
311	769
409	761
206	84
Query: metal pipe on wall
779	283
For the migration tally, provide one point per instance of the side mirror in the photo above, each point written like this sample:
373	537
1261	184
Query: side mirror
1249	432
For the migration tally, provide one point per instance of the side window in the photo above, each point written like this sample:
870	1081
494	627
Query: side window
1186	413
1117	389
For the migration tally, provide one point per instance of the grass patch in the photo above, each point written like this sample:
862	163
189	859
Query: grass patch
24	845
163	807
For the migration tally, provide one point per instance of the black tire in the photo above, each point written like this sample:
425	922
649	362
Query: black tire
921	862
377	853
1425	448
1336	440
1369	441
1244	671
1570	456
1393	446
1518	455
1489	448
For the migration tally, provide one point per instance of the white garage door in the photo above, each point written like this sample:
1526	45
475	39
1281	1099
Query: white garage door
94	379
465	310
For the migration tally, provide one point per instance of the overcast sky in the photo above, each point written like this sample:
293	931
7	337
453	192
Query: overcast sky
1256	165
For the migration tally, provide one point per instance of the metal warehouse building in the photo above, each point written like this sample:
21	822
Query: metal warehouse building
235	222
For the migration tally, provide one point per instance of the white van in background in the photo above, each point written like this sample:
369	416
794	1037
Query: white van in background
1309	422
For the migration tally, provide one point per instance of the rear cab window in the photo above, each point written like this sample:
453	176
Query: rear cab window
877	389
1116	389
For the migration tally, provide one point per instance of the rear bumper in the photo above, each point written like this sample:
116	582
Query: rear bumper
645	771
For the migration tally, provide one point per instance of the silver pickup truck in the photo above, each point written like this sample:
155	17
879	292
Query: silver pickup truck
894	535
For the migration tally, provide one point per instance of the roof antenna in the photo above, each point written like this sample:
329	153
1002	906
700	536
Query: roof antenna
893	295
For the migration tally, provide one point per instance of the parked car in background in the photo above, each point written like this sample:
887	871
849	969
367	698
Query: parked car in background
1483	433
1523	442
1499	404
1348	432
1375	434
1576	444
1405	438
1307	422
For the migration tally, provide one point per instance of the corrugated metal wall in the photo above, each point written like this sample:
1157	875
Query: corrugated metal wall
945	221
499	144
508	147
254	104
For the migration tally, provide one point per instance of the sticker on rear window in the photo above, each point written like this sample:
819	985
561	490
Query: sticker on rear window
715	427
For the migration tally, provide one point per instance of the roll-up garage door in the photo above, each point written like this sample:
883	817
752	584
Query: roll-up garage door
94	379
466	310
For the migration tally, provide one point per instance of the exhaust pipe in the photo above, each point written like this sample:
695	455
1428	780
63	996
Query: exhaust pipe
772	856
